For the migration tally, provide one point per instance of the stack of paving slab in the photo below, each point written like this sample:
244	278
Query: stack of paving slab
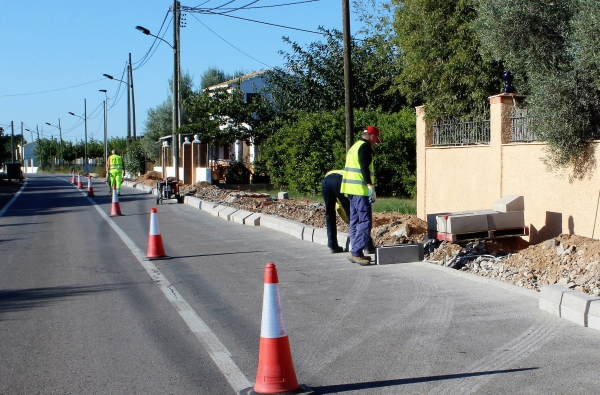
577	307
505	219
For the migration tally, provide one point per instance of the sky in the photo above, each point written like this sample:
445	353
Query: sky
54	55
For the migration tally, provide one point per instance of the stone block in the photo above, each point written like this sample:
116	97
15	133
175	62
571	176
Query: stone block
226	213
282	195
506	220
432	220
343	240
467	222
208	206
320	236
193	201
550	298
215	211
293	228
509	203
593	315
253	220
574	307
239	216
399	253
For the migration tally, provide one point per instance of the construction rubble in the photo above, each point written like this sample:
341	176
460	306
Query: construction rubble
568	260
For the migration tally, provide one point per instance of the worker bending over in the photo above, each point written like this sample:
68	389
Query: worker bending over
337	201
359	184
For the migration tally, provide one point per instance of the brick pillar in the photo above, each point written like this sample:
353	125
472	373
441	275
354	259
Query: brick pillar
500	132
187	161
424	140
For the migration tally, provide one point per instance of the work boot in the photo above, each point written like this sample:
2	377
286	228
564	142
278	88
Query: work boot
336	250
361	260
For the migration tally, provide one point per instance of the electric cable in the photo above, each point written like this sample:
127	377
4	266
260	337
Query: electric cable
155	48
153	43
264	23
231	43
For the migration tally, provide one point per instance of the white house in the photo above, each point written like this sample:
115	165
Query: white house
30	162
250	84
212	160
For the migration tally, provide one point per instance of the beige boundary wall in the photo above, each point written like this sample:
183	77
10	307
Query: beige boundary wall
457	178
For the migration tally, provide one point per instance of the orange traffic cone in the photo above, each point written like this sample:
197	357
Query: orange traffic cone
90	188
155	244
115	209
73	178
79	183
276	372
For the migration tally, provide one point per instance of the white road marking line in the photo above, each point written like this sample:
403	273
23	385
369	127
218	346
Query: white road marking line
12	200
217	350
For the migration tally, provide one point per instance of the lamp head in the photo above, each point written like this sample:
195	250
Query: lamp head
110	77
143	30
102	90
71	113
49	124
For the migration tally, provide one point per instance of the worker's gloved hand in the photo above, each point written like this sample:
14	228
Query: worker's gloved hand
372	195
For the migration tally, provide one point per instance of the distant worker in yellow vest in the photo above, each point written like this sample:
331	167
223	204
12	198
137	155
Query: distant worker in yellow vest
358	183
337	201
116	172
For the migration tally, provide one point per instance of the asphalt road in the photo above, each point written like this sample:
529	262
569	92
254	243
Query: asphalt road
82	313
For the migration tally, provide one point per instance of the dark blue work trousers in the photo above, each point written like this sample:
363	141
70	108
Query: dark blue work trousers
330	187
361	222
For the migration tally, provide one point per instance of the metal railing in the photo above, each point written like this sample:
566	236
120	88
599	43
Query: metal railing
520	131
455	132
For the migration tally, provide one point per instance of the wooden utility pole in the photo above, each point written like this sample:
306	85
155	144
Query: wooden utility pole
348	75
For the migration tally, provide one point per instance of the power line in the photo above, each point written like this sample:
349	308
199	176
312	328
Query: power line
202	10
230	43
153	43
51	90
264	23
165	32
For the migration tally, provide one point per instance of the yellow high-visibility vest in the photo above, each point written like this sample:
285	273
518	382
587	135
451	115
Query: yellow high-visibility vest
116	163
352	181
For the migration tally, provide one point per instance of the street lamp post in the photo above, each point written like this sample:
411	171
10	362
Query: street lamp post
130	99
85	160
61	140
105	126
176	73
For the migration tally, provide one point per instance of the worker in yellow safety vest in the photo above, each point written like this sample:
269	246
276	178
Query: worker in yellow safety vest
358	183
337	201
116	172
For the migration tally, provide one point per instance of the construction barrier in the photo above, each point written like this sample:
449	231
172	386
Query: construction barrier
155	243
115	208
90	188
276	374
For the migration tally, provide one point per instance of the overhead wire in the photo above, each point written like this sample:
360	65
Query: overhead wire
264	23
165	32
231	43
153	43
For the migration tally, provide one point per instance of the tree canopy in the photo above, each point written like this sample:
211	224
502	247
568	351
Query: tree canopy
313	77
551	47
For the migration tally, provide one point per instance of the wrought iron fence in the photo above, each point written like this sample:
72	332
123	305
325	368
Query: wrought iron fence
520	131
455	132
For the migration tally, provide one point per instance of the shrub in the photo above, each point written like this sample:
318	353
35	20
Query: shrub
301	152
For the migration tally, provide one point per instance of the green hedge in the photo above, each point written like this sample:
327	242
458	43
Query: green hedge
300	153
